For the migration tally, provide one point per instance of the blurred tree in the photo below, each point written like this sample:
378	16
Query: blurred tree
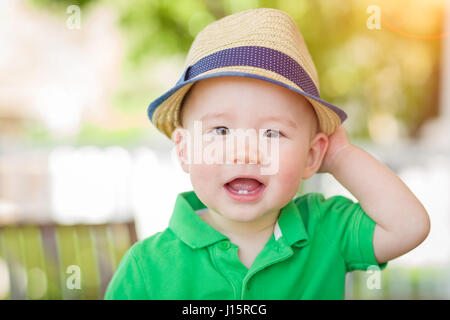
58	4
387	83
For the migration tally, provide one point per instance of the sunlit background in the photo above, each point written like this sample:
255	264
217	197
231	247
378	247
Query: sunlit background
84	174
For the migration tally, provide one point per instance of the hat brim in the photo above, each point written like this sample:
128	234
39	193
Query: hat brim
330	116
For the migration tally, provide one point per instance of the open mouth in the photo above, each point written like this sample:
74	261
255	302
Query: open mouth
244	188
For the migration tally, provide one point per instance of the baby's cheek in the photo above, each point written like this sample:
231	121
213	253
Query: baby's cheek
290	170
204	175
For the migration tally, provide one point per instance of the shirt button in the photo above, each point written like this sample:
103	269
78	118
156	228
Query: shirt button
225	245
248	285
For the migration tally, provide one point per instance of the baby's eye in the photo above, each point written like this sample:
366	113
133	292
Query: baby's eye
221	131
272	133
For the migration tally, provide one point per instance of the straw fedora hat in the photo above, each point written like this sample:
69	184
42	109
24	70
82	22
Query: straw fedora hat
262	43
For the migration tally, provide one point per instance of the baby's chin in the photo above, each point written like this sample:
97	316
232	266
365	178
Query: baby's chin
244	214
242	217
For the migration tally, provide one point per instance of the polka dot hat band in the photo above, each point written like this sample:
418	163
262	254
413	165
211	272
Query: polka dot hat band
262	43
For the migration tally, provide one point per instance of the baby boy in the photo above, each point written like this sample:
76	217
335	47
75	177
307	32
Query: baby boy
243	232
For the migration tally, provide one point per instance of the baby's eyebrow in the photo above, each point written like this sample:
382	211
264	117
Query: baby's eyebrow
282	120
287	121
215	115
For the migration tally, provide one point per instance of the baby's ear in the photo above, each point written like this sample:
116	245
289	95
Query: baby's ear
317	151
181	138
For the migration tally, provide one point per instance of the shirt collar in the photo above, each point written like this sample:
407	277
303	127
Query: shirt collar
292	228
187	224
191	229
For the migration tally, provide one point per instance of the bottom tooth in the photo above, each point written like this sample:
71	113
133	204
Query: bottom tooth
242	191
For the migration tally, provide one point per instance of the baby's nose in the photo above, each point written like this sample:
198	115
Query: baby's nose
245	153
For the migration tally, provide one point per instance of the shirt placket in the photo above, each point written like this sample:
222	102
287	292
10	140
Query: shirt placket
226	258
274	253
227	261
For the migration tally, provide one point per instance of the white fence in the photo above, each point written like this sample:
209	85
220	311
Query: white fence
97	185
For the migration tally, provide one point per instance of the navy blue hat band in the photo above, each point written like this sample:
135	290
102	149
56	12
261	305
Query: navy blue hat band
256	56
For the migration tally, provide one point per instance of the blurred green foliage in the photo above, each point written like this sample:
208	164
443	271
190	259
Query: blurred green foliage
90	134
58	4
366	72
102	137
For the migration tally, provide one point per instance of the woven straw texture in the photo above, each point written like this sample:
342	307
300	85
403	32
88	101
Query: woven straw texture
266	27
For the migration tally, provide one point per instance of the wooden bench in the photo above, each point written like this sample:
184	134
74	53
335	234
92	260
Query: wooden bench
52	261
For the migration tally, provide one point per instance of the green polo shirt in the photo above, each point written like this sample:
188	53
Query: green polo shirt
314	243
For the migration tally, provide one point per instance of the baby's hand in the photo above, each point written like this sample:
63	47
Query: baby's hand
337	142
